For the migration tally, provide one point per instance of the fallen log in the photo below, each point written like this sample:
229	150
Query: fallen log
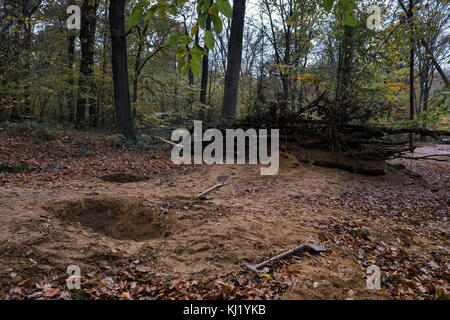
345	161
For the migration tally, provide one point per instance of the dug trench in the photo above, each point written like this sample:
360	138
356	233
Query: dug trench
171	235
122	219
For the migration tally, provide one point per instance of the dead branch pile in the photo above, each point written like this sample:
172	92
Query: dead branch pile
352	147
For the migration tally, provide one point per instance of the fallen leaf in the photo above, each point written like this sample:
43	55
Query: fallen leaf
51	292
26	283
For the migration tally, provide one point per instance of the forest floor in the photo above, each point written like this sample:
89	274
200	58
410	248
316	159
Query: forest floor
152	239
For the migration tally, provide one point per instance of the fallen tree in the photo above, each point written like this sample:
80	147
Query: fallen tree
358	148
353	147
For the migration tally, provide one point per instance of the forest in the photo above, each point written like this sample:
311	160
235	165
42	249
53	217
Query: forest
96	96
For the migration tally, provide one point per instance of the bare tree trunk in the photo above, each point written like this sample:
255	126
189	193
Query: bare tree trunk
426	46
16	112
411	73
205	73
120	69
191	98
86	83
230	97
191	93
71	81
345	70
433	59
27	56
286	79
27	12
101	98
137	65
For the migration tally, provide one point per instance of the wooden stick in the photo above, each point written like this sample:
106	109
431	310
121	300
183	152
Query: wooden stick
219	185
313	247
167	141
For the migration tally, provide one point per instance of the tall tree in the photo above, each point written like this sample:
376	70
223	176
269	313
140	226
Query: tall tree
230	97
411	71
120	68
104	88
71	81
149	36
29	8
429	47
205	71
345	60
71	37
86	83
27	11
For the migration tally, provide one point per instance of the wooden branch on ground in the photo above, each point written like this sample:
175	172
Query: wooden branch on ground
219	185
221	181
302	247
168	142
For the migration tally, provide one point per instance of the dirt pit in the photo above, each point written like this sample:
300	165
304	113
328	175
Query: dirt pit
122	219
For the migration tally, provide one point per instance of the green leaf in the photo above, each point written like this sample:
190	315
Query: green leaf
196	67
135	18
151	12
173	10
212	11
174	38
224	7
195	53
181	63
185	68
194	30
137	13
162	11
202	20
180	2
218	25
350	19
328	5
209	40
142	4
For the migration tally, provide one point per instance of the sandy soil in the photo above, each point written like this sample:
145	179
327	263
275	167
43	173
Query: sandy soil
45	229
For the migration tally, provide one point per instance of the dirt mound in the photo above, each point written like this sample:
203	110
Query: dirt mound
123	219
